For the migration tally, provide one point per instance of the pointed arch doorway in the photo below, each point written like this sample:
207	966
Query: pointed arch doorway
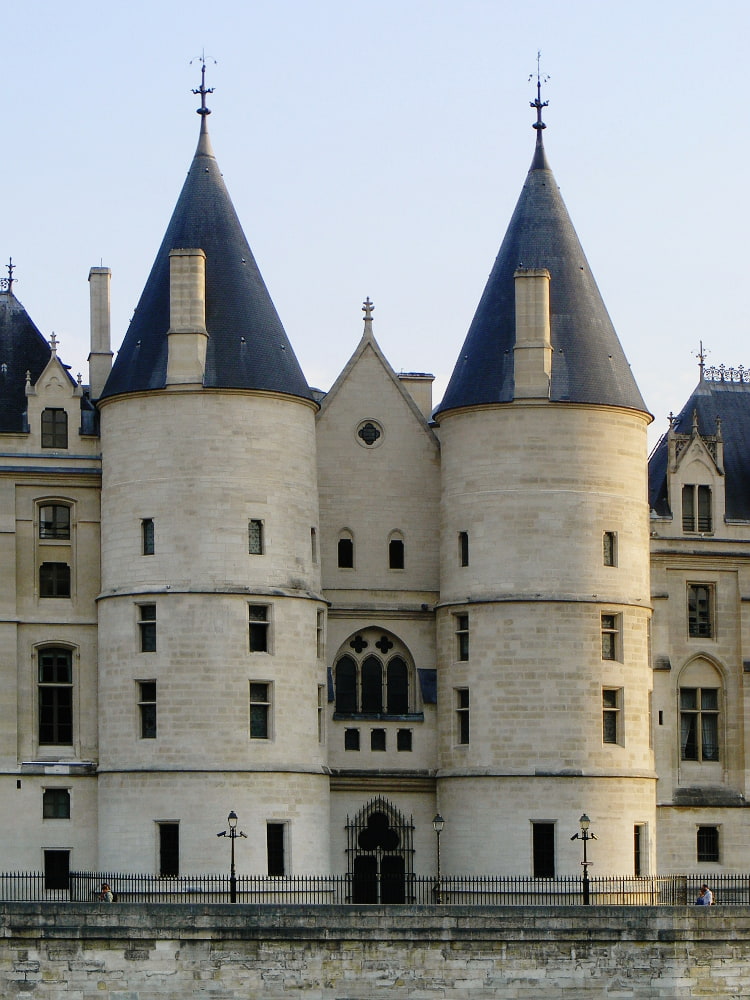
380	854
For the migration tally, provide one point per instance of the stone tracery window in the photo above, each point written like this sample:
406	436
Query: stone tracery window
373	675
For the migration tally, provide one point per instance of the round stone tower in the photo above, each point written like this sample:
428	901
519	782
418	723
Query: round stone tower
543	674
210	615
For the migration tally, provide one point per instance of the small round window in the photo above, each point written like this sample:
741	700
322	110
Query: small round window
370	434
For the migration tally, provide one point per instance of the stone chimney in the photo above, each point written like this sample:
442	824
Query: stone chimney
532	354
187	334
100	355
419	387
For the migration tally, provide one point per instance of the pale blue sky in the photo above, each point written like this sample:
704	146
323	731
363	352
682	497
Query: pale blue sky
379	149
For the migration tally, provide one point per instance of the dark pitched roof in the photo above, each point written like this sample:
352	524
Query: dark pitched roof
730	402
247	346
22	349
588	363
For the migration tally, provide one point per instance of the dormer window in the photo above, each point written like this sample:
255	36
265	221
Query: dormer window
697	513
54	428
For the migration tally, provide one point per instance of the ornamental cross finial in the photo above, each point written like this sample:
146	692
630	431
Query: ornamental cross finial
367	309
7	283
539	103
53	343
701	356
203	90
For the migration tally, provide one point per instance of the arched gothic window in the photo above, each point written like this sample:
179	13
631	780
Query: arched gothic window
374	675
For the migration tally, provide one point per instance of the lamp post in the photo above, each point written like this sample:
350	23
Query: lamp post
585	836
437	825
233	833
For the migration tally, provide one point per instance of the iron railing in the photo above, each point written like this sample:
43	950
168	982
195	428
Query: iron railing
321	890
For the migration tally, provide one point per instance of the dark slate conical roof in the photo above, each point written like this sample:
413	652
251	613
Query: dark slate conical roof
729	401
247	346
588	363
22	349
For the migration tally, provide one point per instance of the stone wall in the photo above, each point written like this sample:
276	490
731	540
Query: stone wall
138	952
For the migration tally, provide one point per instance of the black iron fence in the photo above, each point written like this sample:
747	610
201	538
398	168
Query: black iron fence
321	890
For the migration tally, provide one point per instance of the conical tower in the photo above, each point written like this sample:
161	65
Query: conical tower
210	603
543	620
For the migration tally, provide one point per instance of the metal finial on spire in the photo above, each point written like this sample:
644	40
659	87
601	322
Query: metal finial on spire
203	110
701	356
367	309
53	344
539	103
6	284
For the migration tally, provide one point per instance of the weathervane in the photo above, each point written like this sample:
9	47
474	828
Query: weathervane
539	103
203	90
6	284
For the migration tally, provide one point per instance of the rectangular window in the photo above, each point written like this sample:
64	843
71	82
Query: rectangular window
639	844
403	740
255	537
462	637
396	553
55	697
54	521
611	637
697	509
54	579
54	428
320	632
147	536
611	710
462	715
707	843
314	545
346	552
463	548
543	849
147	627
259	623
147	709
700	599
321	713
169	848
609	546
275	848
351	739
57	870
377	739
699	724
260	711
56	803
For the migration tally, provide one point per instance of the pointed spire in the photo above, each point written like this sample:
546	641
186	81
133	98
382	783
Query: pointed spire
701	356
368	308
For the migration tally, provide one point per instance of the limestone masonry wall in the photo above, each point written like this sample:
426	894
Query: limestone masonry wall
151	952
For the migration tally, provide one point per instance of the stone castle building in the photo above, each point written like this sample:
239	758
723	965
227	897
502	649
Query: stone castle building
341	613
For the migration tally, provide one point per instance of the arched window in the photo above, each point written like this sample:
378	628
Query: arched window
374	675
700	698
396	554
55	695
346	550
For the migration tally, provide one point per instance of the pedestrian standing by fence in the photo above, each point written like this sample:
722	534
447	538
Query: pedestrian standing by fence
106	895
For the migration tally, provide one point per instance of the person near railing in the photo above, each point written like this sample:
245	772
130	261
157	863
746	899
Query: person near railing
705	896
106	895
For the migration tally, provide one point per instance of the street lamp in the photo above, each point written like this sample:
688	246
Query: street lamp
585	836
437	825
233	833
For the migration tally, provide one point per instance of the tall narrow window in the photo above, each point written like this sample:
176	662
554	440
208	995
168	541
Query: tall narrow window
610	637
275	848
147	536
314	545
147	627
147	709
707	844
462	715
396	553
463	548
169	849
320	633
700	610
699	724
321	713
346	686
462	637
259	626
255	537
346	552
54	521
54	428
543	848
56	803
697	514
397	687
54	579
55	696
609	547
260	710
611	711
372	686
639	838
